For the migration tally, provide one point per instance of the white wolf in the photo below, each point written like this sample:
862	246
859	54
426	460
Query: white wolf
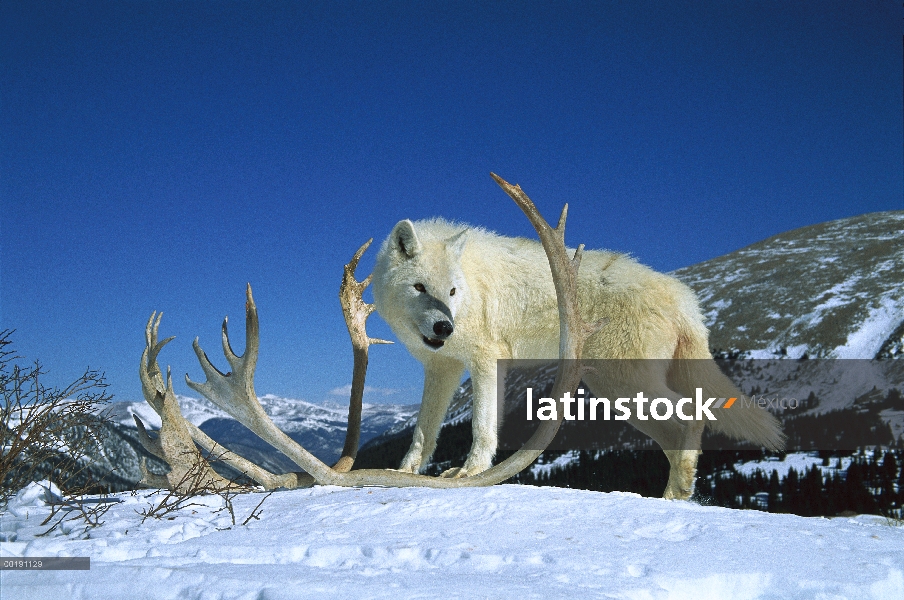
461	297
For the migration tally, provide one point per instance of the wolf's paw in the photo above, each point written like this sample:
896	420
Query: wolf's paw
455	473
409	465
678	493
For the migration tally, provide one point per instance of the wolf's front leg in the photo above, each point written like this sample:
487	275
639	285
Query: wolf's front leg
441	379
485	417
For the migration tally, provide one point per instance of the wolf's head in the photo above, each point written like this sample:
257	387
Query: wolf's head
419	285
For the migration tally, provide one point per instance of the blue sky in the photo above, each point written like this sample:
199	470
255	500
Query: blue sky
158	155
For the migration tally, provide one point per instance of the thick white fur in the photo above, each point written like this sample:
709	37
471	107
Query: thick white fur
504	306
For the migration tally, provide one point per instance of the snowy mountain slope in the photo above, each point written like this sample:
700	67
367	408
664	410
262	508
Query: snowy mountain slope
835	289
500	542
288	414
837	383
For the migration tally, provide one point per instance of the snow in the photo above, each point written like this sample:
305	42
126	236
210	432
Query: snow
799	461
867	339
711	316
895	420
289	414
560	462
791	352
499	542
193	409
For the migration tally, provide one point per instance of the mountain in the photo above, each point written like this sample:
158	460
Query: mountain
320	428
832	290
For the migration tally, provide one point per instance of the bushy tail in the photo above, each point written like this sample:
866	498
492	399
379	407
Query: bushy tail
695	368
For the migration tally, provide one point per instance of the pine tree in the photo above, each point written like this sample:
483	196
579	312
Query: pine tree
887	473
774	492
901	479
812	493
791	492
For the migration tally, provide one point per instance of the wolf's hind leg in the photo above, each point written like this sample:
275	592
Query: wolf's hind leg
680	440
682	450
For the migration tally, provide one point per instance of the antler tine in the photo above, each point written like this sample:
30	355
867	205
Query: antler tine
353	263
227	347
148	385
562	217
153	351
560	236
149	371
151	335
150	444
210	371
252	333
150	331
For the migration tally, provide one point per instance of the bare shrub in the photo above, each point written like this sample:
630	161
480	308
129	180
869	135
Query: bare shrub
50	433
196	482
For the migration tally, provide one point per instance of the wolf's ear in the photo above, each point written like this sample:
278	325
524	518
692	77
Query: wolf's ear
404	239
456	243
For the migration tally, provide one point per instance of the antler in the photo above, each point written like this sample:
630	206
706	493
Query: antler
234	392
173	424
356	311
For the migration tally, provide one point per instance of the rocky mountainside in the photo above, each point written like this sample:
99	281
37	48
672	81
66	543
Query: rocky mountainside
833	290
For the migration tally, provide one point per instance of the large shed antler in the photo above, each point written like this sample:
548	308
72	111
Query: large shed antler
174	425
234	393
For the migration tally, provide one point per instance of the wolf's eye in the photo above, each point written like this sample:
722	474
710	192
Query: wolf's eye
452	292
420	287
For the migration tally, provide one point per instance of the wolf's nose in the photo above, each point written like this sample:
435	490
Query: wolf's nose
442	328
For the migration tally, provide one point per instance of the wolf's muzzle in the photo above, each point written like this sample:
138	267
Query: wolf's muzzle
442	329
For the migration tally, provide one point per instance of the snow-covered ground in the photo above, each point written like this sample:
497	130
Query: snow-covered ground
505	541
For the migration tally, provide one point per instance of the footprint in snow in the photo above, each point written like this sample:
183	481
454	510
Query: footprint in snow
673	531
636	570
